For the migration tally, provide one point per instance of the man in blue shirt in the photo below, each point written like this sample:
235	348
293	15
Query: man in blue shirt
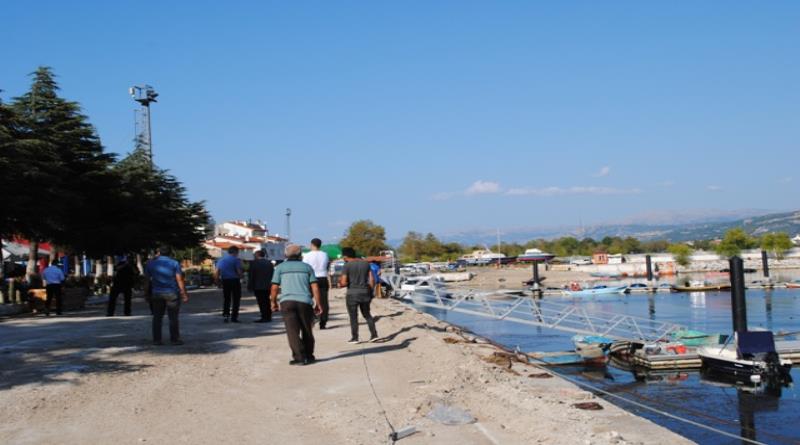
229	272
296	283
54	280
168	290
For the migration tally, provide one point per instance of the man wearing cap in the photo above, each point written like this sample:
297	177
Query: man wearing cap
318	260
168	290
229	271
54	279
122	283
293	286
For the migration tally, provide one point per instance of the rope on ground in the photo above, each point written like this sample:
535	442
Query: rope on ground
393	434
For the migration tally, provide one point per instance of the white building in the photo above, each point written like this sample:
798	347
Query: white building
248	237
796	240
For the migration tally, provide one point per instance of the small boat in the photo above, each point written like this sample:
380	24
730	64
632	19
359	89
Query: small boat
606	275
793	284
482	257
752	358
597	290
761	284
665	287
534	255
700	286
692	338
592	348
638	288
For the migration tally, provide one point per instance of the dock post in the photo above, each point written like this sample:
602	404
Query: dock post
537	292
765	263
649	265
738	304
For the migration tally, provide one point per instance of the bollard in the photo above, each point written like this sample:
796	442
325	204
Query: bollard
537	292
738	305
649	264
765	263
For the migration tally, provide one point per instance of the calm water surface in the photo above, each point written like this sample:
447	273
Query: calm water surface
767	418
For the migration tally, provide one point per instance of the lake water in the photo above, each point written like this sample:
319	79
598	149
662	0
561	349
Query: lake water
767	418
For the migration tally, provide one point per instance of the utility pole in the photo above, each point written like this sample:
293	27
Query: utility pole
145	95
288	224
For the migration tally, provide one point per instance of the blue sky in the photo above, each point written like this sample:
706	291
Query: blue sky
437	116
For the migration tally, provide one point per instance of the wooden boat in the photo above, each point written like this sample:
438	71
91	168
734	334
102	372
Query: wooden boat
701	286
597	290
752	358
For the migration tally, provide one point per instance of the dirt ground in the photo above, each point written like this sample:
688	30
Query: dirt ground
85	378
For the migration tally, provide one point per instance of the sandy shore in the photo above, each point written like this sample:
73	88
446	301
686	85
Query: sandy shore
85	378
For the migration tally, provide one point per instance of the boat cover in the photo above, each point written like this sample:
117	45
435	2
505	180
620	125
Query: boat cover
754	344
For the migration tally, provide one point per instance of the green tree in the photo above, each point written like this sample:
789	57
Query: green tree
734	241
66	156
411	247
682	253
777	243
366	237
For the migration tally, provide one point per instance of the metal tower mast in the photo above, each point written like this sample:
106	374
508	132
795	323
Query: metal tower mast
144	94
288	224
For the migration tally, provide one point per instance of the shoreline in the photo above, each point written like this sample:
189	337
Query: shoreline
232	382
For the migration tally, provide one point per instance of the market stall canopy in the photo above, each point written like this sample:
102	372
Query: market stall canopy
334	251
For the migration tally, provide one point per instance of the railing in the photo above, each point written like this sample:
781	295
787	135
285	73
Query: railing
525	309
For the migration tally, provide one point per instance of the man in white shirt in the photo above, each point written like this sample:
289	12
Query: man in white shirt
54	279
318	260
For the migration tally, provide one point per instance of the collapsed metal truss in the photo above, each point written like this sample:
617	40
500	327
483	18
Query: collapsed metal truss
525	309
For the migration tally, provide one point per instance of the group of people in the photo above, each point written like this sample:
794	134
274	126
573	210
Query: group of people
298	288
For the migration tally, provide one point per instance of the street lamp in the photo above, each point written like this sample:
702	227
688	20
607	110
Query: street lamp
145	94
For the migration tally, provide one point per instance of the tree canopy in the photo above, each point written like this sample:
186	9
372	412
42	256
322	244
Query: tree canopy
734	241
366	237
777	243
66	189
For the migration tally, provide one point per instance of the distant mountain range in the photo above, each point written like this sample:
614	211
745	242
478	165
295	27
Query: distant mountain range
673	227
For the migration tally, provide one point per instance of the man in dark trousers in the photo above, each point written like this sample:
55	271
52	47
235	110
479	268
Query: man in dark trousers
229	272
168	290
259	281
122	283
54	279
357	278
294	280
318	260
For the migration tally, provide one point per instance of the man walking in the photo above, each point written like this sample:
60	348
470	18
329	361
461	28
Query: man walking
168	290
259	281
357	278
122	283
54	278
318	260
295	282
229	271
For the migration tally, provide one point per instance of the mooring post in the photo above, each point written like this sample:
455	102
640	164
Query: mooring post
537	292
738	305
765	263
649	264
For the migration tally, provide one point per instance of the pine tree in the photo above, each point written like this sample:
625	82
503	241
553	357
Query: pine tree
72	171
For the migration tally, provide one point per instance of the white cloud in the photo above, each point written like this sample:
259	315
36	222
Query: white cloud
714	188
482	187
576	190
603	172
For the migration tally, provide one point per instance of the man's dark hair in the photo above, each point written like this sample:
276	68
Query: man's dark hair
316	242
261	253
163	249
233	250
348	252
54	262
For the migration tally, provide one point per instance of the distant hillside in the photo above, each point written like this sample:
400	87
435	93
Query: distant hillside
705	228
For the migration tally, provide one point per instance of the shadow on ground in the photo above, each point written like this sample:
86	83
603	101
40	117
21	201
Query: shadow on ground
40	350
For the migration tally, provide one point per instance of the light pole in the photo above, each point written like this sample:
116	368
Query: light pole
145	94
288	225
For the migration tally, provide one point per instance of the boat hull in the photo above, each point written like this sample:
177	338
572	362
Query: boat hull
593	292
702	288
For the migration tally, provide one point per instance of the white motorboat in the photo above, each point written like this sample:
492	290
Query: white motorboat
482	257
533	255
752	358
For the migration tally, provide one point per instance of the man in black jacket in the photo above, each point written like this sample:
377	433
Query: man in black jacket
124	276
259	281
